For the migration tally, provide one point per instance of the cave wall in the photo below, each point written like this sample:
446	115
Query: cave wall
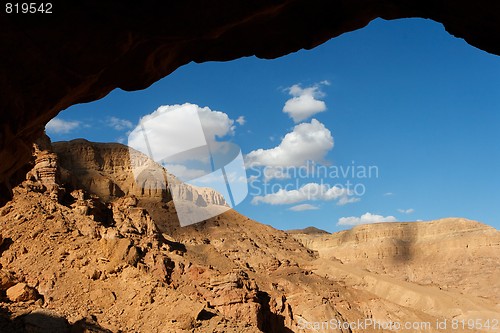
82	51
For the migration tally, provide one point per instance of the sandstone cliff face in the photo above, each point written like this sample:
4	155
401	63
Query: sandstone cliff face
81	52
105	170
101	169
201	196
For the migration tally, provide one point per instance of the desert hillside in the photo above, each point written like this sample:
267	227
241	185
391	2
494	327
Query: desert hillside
84	248
448	267
455	254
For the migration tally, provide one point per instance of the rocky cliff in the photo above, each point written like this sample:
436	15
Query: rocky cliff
105	170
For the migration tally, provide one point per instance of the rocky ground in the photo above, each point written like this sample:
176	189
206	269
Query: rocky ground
84	249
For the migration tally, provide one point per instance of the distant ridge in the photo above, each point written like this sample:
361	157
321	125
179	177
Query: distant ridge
448	252
308	231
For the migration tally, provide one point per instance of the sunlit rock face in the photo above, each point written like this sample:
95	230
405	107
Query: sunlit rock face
105	170
81	52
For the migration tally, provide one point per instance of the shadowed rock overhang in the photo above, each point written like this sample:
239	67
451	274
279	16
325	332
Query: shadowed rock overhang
81	52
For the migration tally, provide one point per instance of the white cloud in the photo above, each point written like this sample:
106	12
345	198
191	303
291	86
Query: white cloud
174	129
365	219
305	101
60	126
119	124
347	200
307	142
406	211
310	191
241	120
303	207
388	194
216	124
275	173
186	138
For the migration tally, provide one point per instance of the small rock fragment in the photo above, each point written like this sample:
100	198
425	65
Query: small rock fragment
21	292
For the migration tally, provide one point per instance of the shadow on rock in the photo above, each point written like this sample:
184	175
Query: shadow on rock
46	321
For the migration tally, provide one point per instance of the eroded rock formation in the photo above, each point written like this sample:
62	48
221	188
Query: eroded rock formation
81	52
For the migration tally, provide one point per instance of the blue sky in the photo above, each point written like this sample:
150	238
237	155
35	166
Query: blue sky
403	96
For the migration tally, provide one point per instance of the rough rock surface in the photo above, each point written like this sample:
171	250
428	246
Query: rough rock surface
82	51
124	265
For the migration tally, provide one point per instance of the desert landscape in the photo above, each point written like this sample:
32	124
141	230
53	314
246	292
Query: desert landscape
87	246
86	249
